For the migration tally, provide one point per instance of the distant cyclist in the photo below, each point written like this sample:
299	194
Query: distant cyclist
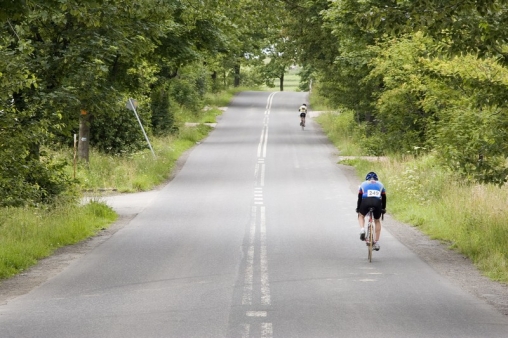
303	112
371	193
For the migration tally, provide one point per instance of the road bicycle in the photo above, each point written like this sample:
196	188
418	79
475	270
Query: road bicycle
371	230
369	239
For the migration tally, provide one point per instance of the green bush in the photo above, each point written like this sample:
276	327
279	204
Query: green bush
118	132
163	114
29	176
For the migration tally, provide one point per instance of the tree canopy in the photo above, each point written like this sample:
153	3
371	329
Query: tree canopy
417	74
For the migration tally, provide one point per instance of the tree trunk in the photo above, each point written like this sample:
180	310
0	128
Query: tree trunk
237	75
215	85
281	79
84	136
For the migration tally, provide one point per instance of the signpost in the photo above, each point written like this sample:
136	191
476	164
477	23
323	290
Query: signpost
75	152
131	105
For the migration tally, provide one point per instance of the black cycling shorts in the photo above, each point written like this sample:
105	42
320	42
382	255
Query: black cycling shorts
375	203
302	115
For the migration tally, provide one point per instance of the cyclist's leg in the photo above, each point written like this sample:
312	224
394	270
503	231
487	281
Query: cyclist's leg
361	220
364	209
378	229
377	219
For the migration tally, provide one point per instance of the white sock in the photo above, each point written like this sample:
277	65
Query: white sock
362	230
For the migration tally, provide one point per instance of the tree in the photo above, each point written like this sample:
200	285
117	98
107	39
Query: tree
280	54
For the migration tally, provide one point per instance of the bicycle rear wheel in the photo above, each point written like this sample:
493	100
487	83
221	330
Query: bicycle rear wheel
370	236
370	241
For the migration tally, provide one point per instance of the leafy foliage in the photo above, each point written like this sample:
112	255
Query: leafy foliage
419	76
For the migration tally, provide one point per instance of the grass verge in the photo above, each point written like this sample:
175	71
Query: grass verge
340	129
139	171
29	234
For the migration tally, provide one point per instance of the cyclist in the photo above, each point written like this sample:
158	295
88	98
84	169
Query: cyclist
371	193
303	112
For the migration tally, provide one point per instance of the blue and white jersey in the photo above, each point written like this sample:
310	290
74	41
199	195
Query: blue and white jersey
372	189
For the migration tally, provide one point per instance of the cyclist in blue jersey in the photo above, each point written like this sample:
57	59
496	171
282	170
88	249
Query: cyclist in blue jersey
371	193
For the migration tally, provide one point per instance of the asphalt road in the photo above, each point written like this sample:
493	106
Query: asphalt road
256	236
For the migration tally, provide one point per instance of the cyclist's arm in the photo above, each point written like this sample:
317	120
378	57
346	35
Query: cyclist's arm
383	201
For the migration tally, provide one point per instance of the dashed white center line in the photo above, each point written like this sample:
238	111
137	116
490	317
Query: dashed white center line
265	142
256	313
265	285
249	270
261	141
247	298
245	330
266	330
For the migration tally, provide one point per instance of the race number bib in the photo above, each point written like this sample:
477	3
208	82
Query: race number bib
373	193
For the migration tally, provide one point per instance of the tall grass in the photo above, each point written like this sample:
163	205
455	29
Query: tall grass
139	171
29	234
471	219
340	129
318	102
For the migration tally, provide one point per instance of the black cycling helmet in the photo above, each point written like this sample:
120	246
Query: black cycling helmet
370	176
304	104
